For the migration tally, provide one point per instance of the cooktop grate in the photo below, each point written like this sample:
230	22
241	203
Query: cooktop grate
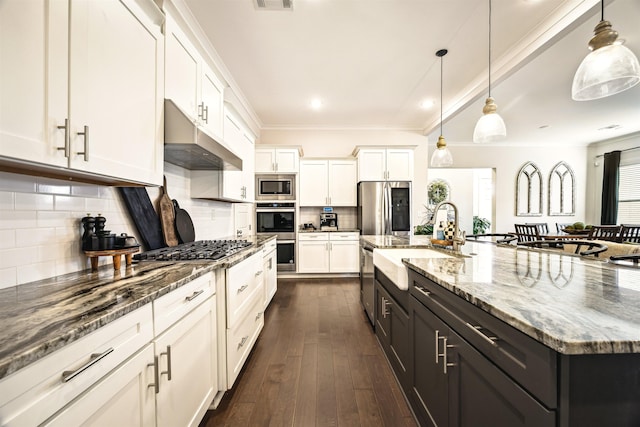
199	250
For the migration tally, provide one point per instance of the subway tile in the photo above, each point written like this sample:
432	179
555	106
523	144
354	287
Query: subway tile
35	236
68	203
15	182
33	272
7	239
17	256
53	186
86	190
8	277
34	202
54	219
7	200
96	206
17	219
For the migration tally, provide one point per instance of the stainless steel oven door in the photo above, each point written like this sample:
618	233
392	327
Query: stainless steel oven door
279	221
286	255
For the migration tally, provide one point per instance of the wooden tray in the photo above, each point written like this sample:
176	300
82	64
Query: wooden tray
442	242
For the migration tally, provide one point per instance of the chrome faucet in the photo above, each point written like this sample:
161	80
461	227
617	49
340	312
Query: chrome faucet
458	236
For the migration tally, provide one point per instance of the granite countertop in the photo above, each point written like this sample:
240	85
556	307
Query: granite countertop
339	230
41	317
569	303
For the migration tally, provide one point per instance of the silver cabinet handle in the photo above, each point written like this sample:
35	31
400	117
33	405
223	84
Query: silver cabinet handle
201	110
276	168
67	139
445	346
242	288
259	273
437	334
243	342
423	291
478	330
205	114
385	303
194	295
156	375
168	354
86	144
259	315
93	359
273	167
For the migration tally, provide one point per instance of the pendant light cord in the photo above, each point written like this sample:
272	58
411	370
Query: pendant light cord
489	48
602	10
441	95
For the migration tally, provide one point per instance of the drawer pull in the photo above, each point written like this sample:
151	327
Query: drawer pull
85	153
194	295
423	291
478	330
93	359
156	375
67	140
258	273
259	315
168	354
242	288
437	344
243	342
385	303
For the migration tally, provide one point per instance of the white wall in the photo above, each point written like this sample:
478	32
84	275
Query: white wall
506	160
461	183
40	227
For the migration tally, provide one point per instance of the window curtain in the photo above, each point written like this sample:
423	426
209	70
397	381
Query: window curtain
609	214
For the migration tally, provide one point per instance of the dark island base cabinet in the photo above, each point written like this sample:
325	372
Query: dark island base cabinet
454	385
392	326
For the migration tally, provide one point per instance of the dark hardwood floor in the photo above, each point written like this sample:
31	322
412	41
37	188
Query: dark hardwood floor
316	363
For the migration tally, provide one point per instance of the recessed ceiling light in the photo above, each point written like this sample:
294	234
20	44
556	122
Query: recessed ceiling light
316	104
426	104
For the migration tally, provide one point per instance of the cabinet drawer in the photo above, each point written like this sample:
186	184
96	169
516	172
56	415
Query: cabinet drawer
171	307
270	246
241	339
343	236
34	393
244	282
323	237
530	363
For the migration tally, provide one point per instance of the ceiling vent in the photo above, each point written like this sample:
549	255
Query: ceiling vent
273	4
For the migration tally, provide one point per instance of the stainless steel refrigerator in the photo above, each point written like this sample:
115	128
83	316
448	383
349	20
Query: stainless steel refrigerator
384	207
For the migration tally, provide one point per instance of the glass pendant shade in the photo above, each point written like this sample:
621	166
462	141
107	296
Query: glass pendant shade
490	126
605	71
441	157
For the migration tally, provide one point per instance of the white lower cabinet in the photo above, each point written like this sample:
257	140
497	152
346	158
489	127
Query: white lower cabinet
270	260
125	397
186	361
333	252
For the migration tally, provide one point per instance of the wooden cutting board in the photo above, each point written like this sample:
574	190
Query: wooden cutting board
167	214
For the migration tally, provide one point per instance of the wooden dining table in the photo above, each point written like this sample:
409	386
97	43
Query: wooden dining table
564	236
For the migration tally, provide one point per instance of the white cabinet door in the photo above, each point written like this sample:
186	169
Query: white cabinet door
125	397
33	80
248	166
314	183
344	256
243	219
270	277
232	180
116	90
399	164
313	256
182	72
287	160
372	164
211	105
265	160
343	182
187	366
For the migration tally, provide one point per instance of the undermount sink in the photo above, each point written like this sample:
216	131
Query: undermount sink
389	261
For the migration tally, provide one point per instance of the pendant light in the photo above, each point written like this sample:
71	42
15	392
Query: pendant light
441	157
609	69
490	126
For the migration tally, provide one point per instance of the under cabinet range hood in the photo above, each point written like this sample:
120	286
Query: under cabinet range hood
190	147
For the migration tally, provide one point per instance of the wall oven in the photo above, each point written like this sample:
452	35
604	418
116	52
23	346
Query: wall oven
275	187
279	218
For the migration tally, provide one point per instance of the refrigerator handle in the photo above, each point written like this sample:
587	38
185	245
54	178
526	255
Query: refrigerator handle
387	209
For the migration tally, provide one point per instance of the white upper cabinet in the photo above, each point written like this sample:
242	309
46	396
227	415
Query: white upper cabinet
239	185
385	164
77	94
277	160
328	182
191	83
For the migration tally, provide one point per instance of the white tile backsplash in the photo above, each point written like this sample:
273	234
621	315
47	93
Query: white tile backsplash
40	228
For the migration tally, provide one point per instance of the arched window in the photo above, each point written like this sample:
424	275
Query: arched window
529	191
562	188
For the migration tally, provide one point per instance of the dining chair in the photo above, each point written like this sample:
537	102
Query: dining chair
527	232
609	233
630	233
543	228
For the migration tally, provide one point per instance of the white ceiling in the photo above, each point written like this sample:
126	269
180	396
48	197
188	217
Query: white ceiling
373	61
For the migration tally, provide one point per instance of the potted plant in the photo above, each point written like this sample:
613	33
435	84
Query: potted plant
480	225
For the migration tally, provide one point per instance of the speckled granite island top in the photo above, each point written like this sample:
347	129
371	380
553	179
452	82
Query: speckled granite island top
38	318
571	304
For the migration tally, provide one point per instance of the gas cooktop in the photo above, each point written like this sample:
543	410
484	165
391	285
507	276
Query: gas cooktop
199	250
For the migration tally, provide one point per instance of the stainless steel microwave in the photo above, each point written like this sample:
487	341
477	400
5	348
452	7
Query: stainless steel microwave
275	187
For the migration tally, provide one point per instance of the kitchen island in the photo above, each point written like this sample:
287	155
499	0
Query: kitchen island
516	336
